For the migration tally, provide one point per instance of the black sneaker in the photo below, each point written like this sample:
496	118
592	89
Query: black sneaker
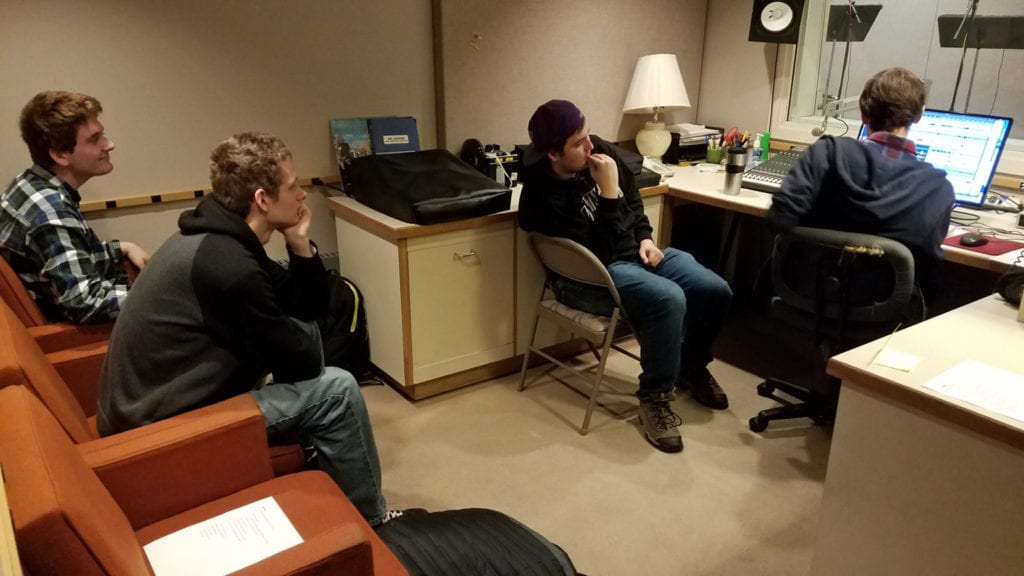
388	516
705	389
660	424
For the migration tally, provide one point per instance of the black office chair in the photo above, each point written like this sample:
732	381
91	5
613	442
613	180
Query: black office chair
846	289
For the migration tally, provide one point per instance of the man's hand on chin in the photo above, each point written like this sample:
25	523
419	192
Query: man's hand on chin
297	235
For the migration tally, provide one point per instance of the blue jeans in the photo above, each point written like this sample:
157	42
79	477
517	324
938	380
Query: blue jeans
328	412
676	310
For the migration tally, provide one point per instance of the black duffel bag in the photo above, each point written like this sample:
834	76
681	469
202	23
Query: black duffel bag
425	187
472	542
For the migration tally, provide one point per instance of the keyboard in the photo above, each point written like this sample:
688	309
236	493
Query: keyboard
768	175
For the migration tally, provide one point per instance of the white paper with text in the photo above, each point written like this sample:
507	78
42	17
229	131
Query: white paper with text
988	387
225	543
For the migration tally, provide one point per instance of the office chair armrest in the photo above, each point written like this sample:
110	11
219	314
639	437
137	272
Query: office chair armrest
55	337
173	465
895	253
79	367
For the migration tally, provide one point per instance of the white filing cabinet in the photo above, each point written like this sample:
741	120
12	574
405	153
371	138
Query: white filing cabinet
440	299
449	304
461	300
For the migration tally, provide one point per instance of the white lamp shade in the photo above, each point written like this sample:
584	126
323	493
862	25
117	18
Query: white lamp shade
657	84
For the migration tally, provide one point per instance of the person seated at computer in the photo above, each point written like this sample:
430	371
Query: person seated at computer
69	271
874	186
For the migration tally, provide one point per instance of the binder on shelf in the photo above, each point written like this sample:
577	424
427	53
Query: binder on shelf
357	137
394	134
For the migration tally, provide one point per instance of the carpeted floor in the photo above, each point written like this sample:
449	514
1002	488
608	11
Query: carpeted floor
734	502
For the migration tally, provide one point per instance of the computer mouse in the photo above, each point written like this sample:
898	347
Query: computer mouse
973	240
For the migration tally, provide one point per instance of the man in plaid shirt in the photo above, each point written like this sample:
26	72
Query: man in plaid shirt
69	271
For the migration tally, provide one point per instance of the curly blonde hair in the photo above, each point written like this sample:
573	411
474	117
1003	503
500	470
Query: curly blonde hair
243	164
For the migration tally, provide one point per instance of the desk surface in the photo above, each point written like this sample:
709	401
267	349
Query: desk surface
985	330
692	184
917	482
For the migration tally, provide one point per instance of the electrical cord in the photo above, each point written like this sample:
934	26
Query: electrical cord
846	127
972	8
999	74
1001	233
963	218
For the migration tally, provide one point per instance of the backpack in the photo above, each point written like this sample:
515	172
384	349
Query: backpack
346	340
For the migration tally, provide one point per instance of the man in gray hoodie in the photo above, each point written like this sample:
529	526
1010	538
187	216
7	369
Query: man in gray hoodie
211	315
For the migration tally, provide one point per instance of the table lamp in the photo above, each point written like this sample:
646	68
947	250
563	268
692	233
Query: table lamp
657	85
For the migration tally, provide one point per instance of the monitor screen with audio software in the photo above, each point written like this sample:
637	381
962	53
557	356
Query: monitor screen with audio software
966	146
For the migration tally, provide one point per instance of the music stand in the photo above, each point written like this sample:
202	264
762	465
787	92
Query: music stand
841	29
845	27
998	32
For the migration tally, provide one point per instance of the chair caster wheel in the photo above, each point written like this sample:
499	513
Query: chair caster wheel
765	389
757	424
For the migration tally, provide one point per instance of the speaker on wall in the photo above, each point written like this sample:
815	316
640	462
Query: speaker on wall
776	21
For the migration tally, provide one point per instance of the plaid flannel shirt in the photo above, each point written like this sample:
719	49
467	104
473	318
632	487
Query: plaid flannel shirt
893	145
70	272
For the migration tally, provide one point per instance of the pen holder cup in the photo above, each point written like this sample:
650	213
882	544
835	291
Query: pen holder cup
735	164
715	155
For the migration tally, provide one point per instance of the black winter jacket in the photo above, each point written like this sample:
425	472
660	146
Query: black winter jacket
554	207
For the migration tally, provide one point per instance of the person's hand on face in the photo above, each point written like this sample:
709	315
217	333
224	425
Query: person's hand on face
605	172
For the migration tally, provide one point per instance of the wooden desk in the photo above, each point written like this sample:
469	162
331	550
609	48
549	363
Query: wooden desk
691	185
918	482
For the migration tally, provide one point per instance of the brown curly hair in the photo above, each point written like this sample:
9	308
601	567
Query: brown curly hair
243	164
50	121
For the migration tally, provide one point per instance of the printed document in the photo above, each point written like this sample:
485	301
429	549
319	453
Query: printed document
988	387
225	543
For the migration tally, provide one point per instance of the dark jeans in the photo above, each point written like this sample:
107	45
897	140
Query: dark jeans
676	310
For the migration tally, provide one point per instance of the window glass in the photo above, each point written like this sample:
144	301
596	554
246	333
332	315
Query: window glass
885	33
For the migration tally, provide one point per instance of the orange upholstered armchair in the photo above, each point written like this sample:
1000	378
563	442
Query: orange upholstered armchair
55	336
90	509
72	397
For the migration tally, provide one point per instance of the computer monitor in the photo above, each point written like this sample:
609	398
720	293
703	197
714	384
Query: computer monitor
966	146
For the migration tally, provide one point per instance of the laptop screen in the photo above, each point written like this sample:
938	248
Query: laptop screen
966	146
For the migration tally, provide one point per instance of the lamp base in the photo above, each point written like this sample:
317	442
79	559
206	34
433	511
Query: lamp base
653	140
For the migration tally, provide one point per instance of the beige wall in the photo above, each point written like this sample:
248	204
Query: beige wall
736	83
503	59
177	77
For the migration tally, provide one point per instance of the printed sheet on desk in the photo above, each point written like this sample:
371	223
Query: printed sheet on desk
993	247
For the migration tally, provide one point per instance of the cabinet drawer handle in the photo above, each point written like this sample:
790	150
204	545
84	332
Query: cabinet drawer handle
464	255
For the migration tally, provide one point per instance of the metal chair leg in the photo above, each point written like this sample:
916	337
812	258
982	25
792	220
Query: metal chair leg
602	360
